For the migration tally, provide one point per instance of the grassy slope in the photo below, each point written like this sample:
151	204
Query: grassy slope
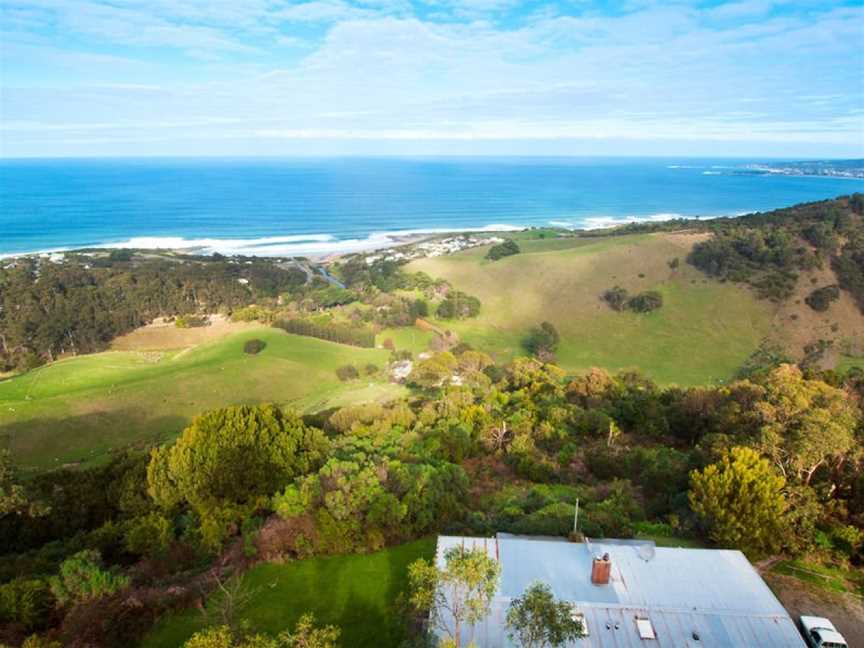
845	363
406	339
703	333
356	592
77	409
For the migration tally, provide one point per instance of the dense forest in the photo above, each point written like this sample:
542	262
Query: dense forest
768	250
79	305
503	448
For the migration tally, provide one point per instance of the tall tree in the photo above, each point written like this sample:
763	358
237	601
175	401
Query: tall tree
740	499
537	620
805	423
231	460
456	595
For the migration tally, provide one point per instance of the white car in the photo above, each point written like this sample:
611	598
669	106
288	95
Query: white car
821	633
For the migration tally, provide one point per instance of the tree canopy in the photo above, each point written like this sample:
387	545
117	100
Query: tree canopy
741	501
233	456
458	594
536	619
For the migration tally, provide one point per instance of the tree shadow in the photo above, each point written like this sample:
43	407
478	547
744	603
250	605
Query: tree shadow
45	443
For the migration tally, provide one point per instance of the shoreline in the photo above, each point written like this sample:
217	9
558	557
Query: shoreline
317	246
326	246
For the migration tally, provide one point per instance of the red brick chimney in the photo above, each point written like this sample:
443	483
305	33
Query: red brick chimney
601	568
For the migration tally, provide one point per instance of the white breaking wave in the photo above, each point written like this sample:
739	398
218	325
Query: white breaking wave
605	222
274	246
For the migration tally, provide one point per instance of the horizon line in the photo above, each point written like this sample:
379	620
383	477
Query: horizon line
374	156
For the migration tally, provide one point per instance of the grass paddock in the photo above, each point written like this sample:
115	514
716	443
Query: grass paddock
358	593
703	333
79	409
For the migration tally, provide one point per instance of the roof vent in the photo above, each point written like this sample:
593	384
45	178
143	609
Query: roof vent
601	568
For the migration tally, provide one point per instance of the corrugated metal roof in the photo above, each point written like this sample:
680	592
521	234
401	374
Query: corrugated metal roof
693	597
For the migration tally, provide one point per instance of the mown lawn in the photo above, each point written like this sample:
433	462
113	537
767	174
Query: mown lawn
358	593
703	333
81	408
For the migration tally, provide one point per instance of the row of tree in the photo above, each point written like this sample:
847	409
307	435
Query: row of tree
332	332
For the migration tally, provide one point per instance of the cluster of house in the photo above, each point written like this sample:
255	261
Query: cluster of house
634	594
433	248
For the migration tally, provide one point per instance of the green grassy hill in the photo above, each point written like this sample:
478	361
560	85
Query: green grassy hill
702	334
80	408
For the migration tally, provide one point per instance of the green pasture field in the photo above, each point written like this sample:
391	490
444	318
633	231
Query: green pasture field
79	409
703	333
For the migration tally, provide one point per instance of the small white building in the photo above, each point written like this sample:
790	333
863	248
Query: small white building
639	596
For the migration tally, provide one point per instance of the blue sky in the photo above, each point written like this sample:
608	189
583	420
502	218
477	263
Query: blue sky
272	77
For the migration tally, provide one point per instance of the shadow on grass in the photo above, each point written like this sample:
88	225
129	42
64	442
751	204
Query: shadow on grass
47	442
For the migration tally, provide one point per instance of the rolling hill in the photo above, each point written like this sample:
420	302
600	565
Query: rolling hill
78	409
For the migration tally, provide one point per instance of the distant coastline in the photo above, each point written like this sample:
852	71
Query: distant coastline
313	246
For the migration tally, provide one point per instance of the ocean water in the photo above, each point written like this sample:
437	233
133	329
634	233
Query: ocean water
316	206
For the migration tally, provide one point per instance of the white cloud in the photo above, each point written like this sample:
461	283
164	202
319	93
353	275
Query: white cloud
376	72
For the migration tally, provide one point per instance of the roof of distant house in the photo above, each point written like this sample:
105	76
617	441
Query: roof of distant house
683	597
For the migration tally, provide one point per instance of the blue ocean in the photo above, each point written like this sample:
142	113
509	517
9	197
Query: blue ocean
317	206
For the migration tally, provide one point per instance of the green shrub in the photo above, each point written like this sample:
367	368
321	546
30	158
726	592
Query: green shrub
458	305
189	321
254	347
249	532
26	601
347	372
616	297
251	314
542	339
149	535
821	298
418	308
645	302
370	369
501	250
333	296
767	357
82	578
619	300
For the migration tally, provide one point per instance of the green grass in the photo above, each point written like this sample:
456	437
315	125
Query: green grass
828	577
703	333
408	338
672	541
81	408
358	593
845	363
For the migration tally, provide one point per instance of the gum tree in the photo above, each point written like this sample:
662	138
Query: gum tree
458	595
